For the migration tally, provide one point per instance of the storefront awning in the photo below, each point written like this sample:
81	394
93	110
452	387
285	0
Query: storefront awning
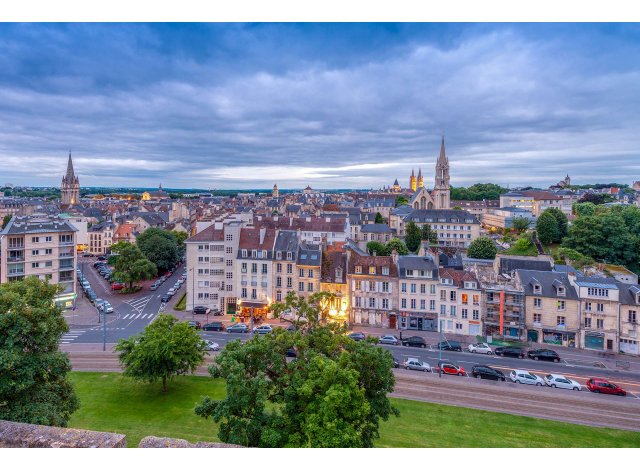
253	305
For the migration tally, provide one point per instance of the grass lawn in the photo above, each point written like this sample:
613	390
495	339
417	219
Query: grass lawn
111	402
530	251
182	303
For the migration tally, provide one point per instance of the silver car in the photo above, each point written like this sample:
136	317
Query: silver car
413	363
389	339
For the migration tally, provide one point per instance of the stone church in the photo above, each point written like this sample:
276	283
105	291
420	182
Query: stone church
440	197
70	188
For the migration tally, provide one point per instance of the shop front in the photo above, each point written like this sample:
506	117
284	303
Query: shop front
561	338
245	311
418	321
65	301
594	341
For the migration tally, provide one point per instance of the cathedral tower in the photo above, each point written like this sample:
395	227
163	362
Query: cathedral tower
70	188
275	192
442	189
420	179
412	181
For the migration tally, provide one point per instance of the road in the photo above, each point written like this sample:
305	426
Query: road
541	402
131	312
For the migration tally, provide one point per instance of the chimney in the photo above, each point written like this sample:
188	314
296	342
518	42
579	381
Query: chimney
263	232
394	256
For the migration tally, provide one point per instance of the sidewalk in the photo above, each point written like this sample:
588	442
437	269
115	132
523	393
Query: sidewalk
85	314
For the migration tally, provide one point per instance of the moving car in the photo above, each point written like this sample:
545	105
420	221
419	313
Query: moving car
415	341
560	381
389	339
154	286
449	346
525	377
509	351
214	326
238	328
195	324
357	336
107	307
413	363
165	298
450	368
482	348
543	355
488	373
396	363
597	385
263	329
211	346
200	309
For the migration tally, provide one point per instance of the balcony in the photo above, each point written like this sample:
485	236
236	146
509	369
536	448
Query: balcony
254	283
15	259
16	246
71	243
66	254
244	283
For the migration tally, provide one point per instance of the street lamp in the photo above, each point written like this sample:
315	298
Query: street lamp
193	290
440	350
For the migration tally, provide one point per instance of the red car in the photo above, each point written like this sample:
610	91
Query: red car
450	368
597	385
117	285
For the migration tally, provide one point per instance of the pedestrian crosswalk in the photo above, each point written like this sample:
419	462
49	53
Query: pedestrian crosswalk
138	316
99	328
71	336
140	304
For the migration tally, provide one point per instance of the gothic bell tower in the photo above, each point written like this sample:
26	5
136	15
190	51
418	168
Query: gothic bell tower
442	189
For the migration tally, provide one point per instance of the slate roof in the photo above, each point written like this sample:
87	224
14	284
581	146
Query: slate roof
36	224
375	228
418	263
333	260
434	216
287	240
508	265
209	234
309	255
549	282
376	261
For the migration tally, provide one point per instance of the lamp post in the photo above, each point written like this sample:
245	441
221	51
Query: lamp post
193	290
104	328
440	349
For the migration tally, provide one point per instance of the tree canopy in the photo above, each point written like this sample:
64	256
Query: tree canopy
547	228
159	246
378	248
379	219
401	201
428	234
482	248
166	348
398	245
333	394
33	372
412	236
180	239
477	192
520	224
130	265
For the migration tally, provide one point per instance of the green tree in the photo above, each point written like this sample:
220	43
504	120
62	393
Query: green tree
562	222
378	248
427	233
547	228
398	245
596	198
580	209
166	348
379	219
305	312
478	192
333	395
577	260
457	208
180	239
33	372
6	219
401	201
482	248
130	265
159	246
412	237
520	224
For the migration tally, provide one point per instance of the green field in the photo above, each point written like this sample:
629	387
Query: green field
181	305
111	402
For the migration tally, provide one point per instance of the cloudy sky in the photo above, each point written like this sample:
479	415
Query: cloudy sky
330	105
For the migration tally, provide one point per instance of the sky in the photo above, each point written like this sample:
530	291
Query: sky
232	106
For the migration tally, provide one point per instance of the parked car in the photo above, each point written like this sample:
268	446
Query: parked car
488	373
482	348
97	301
117	286
525	377
597	385
509	351
413	363
211	346
200	309
415	341
543	355
86	255
292	328
195	324
263	329
217	313
291	352
357	336
450	368
214	326
238	328
389	339
396	363
99	263
560	381
171	292
102	258
154	286
449	346
165	298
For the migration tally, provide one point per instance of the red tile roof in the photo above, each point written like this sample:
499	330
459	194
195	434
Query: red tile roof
250	239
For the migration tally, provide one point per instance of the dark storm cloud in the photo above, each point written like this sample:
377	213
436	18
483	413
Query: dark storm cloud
326	105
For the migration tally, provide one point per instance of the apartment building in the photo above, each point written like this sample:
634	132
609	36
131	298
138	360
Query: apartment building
535	201
373	283
42	246
459	302
317	230
552	308
284	276
308	269
334	281
417	293
101	238
454	227
629	309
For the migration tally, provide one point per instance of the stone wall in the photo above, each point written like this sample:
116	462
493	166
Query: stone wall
32	435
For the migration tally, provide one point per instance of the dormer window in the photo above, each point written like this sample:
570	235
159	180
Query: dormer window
537	289
264	254
372	269
385	271
289	255
278	254
254	253
446	280
244	253
469	285
409	272
358	269
338	274
561	291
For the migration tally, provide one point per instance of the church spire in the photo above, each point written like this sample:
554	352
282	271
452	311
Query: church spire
70	175
443	156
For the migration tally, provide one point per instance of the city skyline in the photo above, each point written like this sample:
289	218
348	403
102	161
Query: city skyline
235	106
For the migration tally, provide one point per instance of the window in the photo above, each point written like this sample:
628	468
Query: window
289	283
254	268
278	254
372	269
385	304
443	295
35	252
560	321
537	289
413	304
632	316
358	285
413	288
423	289
278	296
454	311
432	289
244	267
600	307
464	314
254	254
229	262
254	294
597	292
561	304
229	275
48	251
35	239
301	272
409	272
587	322
537	318
228	237
310	273
458	326
289	255
278	281
35	265
465	298
469	285
372	286
404	287
244	292
358	301
453	296
403	302
443	310
476	314
279	267
476	299
432	305
600	323
289	268
372	302
264	268
228	250
537	302
423	304
385	287
244	253
301	286
310	287
49	264
385	271
587	306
